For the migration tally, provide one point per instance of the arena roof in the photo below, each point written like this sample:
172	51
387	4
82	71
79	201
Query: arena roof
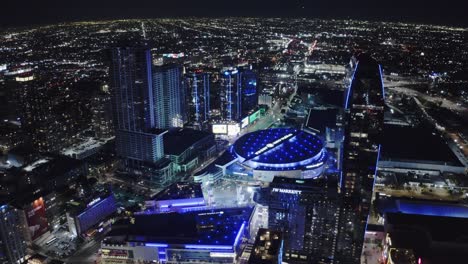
279	147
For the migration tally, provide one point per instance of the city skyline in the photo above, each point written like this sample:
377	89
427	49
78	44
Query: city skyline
234	140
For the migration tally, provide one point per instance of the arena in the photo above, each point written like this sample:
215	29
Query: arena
285	152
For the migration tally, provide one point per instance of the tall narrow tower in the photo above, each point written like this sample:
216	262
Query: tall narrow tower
169	96
231	89
133	104
197	87
364	105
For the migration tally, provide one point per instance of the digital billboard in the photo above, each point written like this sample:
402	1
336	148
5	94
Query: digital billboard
220	129
254	116
37	220
245	122
233	129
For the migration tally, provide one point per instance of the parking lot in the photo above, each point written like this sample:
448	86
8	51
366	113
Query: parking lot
59	244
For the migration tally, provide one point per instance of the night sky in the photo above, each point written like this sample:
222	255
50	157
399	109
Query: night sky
31	12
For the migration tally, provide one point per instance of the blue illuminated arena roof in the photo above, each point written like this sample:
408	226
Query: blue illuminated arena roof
218	228
279	148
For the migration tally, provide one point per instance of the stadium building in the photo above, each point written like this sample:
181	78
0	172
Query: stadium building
283	152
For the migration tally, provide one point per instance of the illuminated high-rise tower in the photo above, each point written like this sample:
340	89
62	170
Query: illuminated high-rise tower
13	240
169	95
239	95
133	106
249	100
197	86
230	95
364	105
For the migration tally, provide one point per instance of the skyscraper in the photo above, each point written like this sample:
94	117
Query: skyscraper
239	95
197	86
249	94
46	110
365	109
133	105
230	95
305	211
169	105
13	247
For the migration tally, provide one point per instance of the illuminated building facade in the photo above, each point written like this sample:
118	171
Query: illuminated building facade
132	105
268	247
239	94
197	86
249	101
169	97
83	218
139	108
305	211
365	110
206	236
13	247
101	114
230	95
46	113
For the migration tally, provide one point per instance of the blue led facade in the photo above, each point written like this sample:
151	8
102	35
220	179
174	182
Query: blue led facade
95	213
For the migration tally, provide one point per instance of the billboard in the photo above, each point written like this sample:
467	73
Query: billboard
37	220
245	122
233	129
254	116
220	129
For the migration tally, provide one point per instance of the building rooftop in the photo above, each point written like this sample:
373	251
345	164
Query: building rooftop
422	207
84	146
416	144
429	236
177	141
225	158
320	119
279	146
216	228
180	190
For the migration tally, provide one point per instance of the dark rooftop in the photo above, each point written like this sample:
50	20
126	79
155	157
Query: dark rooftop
321	119
177	141
429	236
416	144
180	190
208	227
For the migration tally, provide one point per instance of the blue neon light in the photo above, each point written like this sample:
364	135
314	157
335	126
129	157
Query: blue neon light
207	247
182	204
432	209
351	85
381	80
239	234
155	245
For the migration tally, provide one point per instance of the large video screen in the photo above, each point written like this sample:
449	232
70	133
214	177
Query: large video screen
220	129
37	219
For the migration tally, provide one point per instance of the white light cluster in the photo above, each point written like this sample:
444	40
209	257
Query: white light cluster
297	192
272	145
